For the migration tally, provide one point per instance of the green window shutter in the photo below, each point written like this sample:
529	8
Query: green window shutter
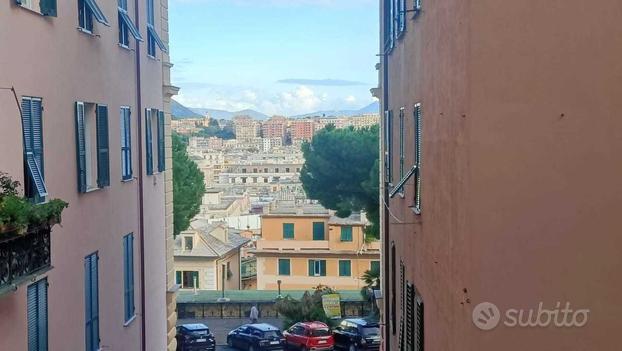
346	233
161	156
103	153
318	230
91	287
37	310
375	266
178	277
80	147
345	268
288	230
48	7
311	268
195	278
284	266
323	268
149	142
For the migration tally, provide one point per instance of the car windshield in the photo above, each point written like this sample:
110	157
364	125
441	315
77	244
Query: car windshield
320	332
370	331
272	334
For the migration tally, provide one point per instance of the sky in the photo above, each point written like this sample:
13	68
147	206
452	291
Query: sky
282	57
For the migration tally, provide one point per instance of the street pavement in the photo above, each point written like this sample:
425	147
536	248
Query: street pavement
221	327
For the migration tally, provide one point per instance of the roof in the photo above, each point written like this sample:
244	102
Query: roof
195	326
314	325
209	246
250	296
263	326
362	322
300	211
353	219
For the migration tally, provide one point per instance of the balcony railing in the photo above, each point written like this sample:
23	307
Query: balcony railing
23	255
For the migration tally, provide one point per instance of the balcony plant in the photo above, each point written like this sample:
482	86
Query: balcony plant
18	214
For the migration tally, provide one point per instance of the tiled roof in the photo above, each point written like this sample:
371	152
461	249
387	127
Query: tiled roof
209	246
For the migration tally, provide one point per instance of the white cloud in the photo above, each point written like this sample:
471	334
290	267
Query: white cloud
350	99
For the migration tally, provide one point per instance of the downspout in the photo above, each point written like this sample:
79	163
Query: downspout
385	199
141	209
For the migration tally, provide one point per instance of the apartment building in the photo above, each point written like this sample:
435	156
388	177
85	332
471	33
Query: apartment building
274	127
87	122
303	247
302	129
204	252
501	173
246	127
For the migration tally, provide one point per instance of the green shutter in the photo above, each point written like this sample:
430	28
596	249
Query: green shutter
346	233
375	266
311	268
178	277
80	147
345	268
323	268
48	7
195	279
103	153
288	230
148	142
284	266
161	157
318	230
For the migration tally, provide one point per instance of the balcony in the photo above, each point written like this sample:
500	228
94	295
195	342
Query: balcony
22	256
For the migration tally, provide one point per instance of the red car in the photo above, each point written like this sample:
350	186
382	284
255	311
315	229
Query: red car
309	336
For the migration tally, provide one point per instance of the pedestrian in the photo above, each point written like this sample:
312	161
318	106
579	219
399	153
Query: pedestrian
254	314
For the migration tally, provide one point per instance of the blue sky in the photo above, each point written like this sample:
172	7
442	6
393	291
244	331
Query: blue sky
275	56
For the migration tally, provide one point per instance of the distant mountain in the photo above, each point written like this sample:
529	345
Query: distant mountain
222	114
180	111
374	107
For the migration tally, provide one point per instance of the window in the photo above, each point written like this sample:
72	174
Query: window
401	190
126	144
87	10
154	120
46	7
345	268
91	301
388	141
286	169
419	323
317	268
414	332
318	231
276	170
346	233
128	275
374	266
401	17
126	26
153	38
265	170
254	170
388	25
284	266
393	289
188	243
417	6
243	170
418	132
37	307
92	146
189	279
32	128
288	230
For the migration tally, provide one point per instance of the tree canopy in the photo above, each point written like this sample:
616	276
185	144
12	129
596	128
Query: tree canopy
188	186
341	171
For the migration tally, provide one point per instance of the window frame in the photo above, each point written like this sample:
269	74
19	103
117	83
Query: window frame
316	235
343	264
286	235
127	171
289	267
128	278
346	238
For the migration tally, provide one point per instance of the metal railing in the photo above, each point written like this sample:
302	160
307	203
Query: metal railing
23	255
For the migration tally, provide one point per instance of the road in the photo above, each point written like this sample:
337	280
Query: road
221	327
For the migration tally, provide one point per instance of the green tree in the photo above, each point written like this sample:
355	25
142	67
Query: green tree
188	186
341	171
308	308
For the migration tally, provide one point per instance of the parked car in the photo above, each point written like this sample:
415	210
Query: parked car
195	337
309	336
357	334
256	337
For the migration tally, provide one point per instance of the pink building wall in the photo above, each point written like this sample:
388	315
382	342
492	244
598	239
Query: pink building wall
49	58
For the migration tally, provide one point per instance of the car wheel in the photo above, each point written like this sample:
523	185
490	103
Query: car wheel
353	348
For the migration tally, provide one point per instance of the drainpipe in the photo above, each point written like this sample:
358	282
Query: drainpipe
385	196
141	209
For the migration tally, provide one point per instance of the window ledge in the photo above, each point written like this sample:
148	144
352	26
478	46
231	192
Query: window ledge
152	57
90	190
87	32
128	180
129	321
30	10
125	47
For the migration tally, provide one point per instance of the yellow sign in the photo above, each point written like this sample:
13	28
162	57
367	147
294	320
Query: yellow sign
332	305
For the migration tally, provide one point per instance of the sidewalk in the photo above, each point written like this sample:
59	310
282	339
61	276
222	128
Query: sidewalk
221	327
